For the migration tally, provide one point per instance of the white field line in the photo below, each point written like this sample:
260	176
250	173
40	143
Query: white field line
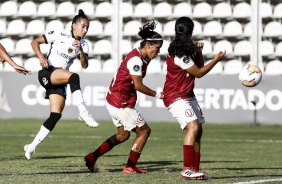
151	138
259	181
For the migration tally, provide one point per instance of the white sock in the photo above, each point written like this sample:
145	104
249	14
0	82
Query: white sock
77	96
41	135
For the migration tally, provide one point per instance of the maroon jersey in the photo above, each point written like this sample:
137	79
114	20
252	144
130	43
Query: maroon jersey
178	84
122	92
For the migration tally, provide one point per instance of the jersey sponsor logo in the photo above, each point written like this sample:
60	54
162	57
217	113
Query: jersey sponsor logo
186	60
189	112
136	68
50	32
70	50
65	56
45	81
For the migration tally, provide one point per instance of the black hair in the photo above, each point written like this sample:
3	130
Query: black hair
79	16
148	34
182	45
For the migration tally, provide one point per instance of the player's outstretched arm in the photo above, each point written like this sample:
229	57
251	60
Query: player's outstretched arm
4	57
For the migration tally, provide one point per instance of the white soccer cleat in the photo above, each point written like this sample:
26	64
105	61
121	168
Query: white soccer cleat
28	152
88	119
190	173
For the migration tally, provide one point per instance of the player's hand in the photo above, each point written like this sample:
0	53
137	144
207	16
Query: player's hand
44	63
219	56
199	46
76	43
1	60
22	70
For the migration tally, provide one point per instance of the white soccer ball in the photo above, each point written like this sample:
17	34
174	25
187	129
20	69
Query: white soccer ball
250	75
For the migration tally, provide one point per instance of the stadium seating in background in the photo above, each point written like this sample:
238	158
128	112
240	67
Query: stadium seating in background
242	48
278	50
202	10
163	50
162	10
33	64
233	29
212	29
8	8
9	44
273	29
3	26
54	25
198	29
104	10
95	28
159	28
68	25
207	50
87	7
35	27
266	48
136	44
46	9
76	66
23	47
94	66
109	66
273	67
131	28
27	9
242	10
65	9
223	45
102	47
108	28
217	69
168	28
247	30
126	9
126	46
182	9
277	12
8	68
16	27
222	10
143	9
155	67
265	10
232	67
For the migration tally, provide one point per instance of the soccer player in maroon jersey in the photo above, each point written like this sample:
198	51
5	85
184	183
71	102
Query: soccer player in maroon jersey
122	96
185	62
5	57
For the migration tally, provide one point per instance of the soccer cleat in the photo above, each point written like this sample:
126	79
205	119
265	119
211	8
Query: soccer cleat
88	119
90	161
28	152
133	170
191	173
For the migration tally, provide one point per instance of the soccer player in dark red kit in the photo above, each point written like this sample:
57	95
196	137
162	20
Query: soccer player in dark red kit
185	62
122	96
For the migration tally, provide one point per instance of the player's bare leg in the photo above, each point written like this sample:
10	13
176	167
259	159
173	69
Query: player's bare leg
188	171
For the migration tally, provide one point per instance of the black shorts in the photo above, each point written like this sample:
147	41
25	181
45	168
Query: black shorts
44	76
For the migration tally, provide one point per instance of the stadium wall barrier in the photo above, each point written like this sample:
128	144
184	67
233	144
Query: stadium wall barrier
223	98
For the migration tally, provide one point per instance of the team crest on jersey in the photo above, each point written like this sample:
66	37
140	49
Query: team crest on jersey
70	50
50	32
186	60
189	113
136	68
